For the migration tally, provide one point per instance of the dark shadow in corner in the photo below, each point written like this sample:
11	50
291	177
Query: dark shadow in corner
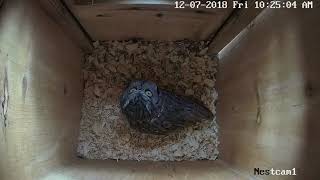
310	154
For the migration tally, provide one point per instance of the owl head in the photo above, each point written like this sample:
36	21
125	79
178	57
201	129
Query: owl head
140	93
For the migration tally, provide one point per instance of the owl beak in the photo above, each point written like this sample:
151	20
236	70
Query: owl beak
142	97
137	95
126	104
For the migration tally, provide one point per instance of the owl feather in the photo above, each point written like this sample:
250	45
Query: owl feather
152	110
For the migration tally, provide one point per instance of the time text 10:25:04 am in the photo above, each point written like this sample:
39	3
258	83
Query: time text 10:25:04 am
243	4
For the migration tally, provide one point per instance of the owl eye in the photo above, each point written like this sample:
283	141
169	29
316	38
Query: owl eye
148	93
132	90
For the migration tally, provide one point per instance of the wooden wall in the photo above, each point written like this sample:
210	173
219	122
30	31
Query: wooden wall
40	92
113	20
40	96
268	109
269	91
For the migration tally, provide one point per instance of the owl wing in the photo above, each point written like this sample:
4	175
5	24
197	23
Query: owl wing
177	111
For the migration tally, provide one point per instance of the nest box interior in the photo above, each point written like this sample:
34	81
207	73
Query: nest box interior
267	81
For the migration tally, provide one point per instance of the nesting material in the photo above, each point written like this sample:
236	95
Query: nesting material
182	67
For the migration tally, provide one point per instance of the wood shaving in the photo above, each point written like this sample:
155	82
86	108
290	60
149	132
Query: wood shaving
183	67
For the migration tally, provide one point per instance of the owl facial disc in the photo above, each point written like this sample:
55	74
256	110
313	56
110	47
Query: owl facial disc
138	96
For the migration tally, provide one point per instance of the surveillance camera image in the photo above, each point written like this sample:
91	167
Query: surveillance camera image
159	89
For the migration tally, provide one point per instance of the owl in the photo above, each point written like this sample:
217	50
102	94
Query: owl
152	110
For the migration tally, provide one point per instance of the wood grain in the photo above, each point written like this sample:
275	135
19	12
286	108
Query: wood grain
60	13
42	66
90	2
268	109
269	90
38	61
236	22
113	21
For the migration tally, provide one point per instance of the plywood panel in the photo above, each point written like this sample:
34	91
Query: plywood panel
269	93
113	21
236	22
90	2
269	99
39	92
129	170
59	12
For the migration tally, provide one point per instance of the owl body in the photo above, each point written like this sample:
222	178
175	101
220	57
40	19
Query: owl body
155	111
